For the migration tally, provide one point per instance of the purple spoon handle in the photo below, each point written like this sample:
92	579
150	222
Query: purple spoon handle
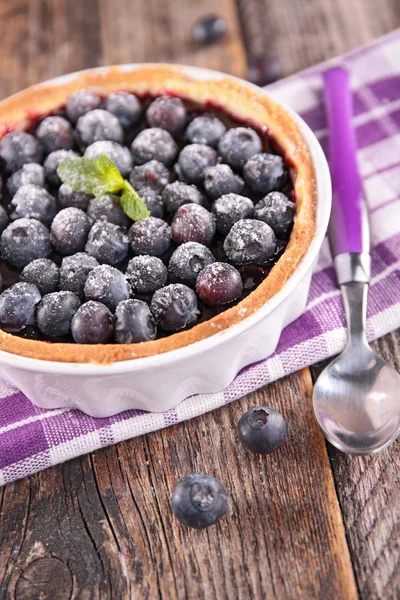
348	228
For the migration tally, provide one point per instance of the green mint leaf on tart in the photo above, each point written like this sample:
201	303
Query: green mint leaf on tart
100	177
132	205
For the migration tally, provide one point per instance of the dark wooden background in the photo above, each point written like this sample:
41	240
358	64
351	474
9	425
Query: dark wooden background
306	522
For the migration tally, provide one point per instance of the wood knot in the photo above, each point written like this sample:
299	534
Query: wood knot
44	579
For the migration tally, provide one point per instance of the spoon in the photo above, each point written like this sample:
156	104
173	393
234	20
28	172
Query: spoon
356	398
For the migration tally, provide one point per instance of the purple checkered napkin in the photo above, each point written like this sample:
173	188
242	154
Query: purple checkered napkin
32	439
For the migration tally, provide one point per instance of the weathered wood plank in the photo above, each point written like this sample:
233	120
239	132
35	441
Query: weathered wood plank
104	522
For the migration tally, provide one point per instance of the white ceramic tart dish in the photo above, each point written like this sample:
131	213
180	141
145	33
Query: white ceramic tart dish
102	380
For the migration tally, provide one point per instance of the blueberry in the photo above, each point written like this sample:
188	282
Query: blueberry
29	173
55	313
92	324
125	106
81	103
55	133
4	220
154	144
153	201
43	273
33	202
205	129
108	208
167	113
107	285
174	307
199	500
134	323
262	430
69	231
146	274
119	154
238	145
219	283
193	161
220	180
193	223
151	236
188	261
19	148
177	194
74	271
231	208
152	174
209	29
23	241
265	172
276	210
52	163
107	242
17	306
250	241
98	125
68	198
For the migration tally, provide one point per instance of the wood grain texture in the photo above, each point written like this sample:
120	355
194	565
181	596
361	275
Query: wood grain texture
101	526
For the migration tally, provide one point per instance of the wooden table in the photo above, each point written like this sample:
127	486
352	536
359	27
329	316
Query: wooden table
306	522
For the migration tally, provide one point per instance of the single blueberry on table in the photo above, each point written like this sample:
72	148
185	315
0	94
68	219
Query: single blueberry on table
193	162
250	241
205	129
167	113
43	273
154	144
52	162
81	103
220	180
238	145
265	172
23	241
55	313
74	271
229	209
262	430
146	274
199	500
151	236
29	173
152	174
209	29
17	306
174	307
107	285
116	152
108	208
98	125
177	194
69	231
193	223
219	283
125	106
276	210
134	323
188	261
92	324
55	133
33	202
107	242
69	198
19	148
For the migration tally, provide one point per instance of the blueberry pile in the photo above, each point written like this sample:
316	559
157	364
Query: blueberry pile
74	267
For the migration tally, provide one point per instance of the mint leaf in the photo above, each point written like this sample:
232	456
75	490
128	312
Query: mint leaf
132	205
100	177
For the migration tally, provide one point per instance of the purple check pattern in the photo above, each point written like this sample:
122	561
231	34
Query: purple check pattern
32	439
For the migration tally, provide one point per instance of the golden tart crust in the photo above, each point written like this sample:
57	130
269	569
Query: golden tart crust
238	100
